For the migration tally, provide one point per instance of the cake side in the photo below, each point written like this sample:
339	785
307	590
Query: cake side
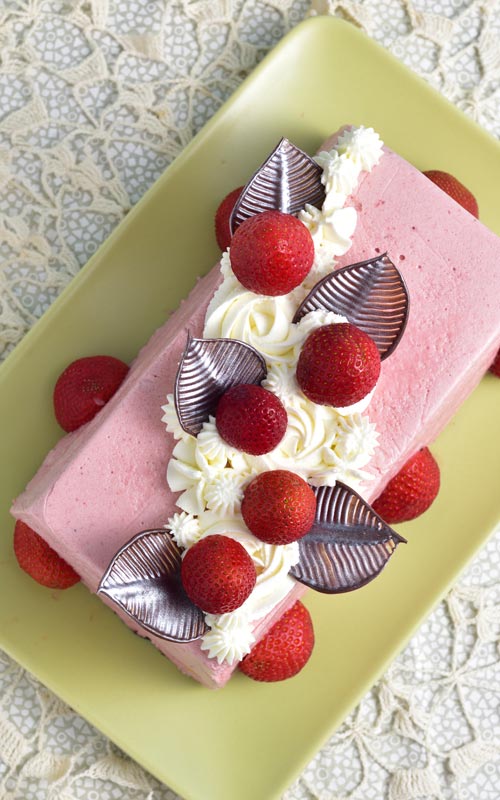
196	663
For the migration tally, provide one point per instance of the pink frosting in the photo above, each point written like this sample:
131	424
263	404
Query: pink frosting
102	484
450	264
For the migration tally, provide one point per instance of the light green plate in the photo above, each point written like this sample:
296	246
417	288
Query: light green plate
248	740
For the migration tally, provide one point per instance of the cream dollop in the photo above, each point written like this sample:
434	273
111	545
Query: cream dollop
230	636
363	146
340	177
185	529
281	381
261	321
355	444
213	451
171	419
208	480
335	226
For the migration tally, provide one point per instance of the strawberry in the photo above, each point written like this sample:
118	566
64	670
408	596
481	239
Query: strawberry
449	184
278	506
222	217
84	387
338	365
251	418
495	367
271	253
40	561
284	650
218	574
411	491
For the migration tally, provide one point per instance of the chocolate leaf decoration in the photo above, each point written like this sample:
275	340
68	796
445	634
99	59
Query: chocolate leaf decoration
348	544
208	368
144	580
371	294
286	181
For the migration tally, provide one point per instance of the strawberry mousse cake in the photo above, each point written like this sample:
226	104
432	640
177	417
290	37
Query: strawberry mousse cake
235	465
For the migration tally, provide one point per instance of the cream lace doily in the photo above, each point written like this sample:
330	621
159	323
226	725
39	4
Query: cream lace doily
97	98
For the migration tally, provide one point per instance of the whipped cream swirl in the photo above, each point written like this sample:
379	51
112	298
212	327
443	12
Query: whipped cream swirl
321	444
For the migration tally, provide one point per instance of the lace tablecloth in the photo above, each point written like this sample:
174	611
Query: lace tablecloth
97	97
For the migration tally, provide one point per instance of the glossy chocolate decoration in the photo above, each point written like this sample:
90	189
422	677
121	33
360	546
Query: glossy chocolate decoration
208	368
144	580
371	294
348	544
286	181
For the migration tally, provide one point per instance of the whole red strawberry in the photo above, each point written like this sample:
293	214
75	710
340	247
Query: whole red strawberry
284	650
251	419
278	506
222	217
218	574
495	367
338	365
271	253
449	184
411	491
40	561
85	387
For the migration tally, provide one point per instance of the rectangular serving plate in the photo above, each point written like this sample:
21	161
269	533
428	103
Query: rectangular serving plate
248	740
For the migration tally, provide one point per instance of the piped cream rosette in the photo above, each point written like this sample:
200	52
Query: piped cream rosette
321	444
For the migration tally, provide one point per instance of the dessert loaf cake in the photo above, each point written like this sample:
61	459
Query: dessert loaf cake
385	240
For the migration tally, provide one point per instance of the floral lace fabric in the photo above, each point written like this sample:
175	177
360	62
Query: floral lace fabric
97	98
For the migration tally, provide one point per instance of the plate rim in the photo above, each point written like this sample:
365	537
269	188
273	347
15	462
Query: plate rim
197	141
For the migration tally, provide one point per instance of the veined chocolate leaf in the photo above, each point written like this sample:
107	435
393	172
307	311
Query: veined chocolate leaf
144	580
348	544
371	294
286	181
208	368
